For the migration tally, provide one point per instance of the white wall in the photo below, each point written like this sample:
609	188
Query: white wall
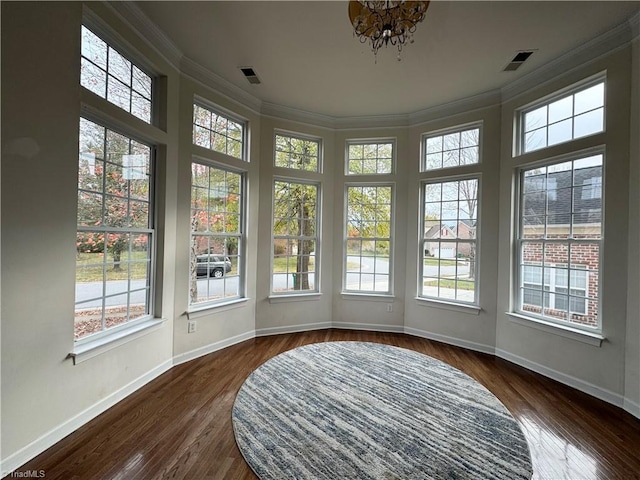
599	370
289	313
632	349
461	326
221	326
45	396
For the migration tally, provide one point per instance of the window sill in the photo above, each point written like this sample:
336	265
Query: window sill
455	307
376	297
303	297
590	338
90	349
201	311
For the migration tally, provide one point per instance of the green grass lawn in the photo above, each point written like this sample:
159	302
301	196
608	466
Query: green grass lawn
450	283
444	263
89	267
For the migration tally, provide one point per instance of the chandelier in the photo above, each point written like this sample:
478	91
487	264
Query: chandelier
386	22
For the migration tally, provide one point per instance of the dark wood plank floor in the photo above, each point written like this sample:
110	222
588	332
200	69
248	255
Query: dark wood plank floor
179	425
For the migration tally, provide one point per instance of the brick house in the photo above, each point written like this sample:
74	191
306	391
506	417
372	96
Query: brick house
559	273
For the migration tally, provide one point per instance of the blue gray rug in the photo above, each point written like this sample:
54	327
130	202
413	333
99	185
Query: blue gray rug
354	410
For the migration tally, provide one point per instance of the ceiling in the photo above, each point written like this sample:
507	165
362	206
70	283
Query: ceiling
307	58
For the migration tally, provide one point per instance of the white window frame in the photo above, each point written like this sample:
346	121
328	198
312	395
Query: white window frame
568	92
364	142
305	138
230	117
240	236
315	238
389	239
107	333
458	129
453	241
518	283
92	26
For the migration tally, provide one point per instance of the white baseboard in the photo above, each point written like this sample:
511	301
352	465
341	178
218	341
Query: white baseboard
305	327
213	347
22	456
569	380
478	347
632	407
371	327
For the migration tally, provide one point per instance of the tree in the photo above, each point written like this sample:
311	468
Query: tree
294	225
215	216
113	192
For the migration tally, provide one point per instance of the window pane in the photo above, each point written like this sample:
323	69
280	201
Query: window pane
572	116
368	238
294	237
216	234
113	266
297	153
451	150
561	109
589	99
559	272
111	75
589	123
560	132
449	254
218	133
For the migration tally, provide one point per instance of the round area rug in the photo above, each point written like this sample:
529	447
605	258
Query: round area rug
355	410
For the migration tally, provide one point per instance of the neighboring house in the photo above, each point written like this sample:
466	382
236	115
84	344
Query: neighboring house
564	198
465	230
437	249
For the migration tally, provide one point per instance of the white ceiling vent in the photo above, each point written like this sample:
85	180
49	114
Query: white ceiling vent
250	75
518	60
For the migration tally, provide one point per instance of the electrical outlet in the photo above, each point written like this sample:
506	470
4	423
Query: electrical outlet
389	307
191	326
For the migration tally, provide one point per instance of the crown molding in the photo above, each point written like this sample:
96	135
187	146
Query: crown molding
273	110
588	52
221	86
130	14
480	101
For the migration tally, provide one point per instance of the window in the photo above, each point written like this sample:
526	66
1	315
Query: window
112	76
369	158
217	132
217	206
297	153
295	237
449	244
368	239
571	116
115	235
451	149
560	240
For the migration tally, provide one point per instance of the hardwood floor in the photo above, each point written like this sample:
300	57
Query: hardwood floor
179	425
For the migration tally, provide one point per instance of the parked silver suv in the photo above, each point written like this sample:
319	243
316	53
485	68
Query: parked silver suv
213	265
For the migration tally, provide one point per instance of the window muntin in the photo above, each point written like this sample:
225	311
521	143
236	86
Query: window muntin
217	199
297	153
115	235
368	239
295	237
451	149
560	240
112	76
217	132
449	244
370	158
572	116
